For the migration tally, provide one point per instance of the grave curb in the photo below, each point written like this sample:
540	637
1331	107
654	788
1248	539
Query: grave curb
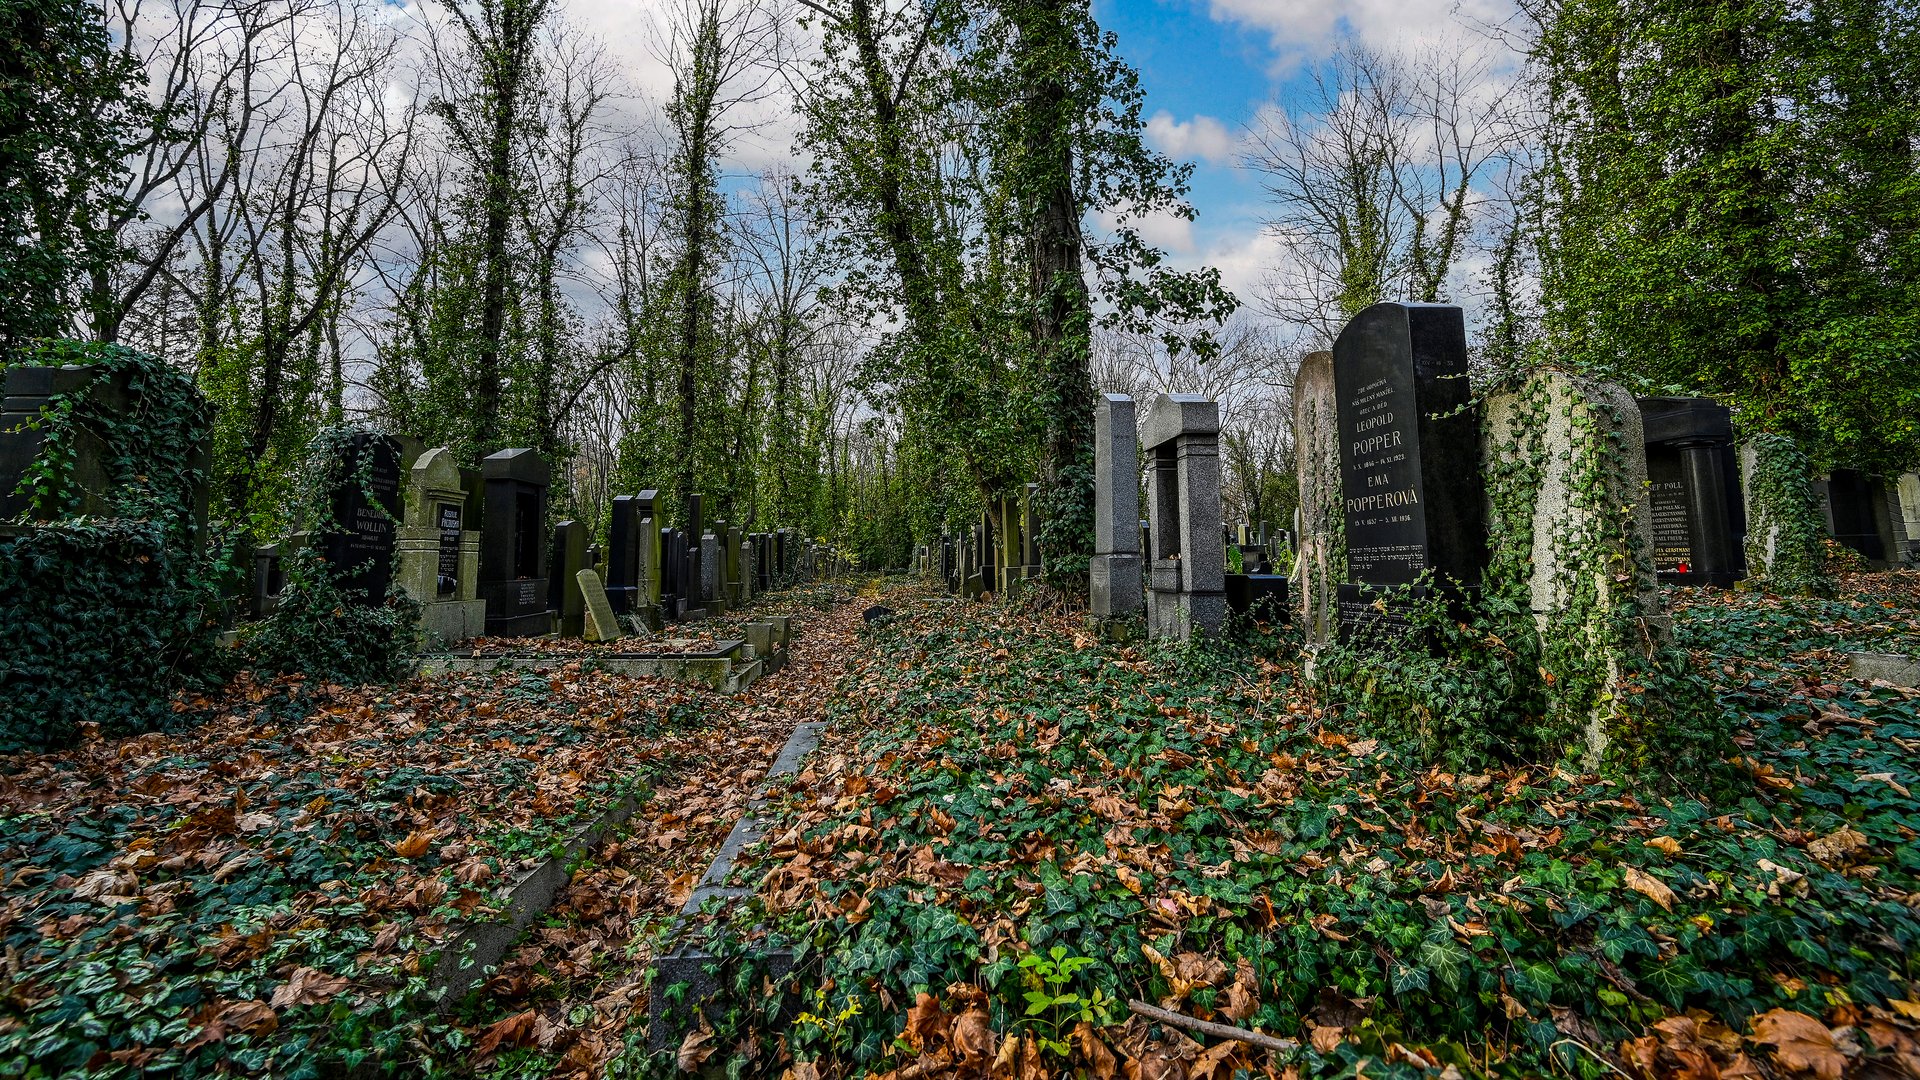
686	963
713	672
458	969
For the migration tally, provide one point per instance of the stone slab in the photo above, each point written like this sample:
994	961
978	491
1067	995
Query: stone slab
1895	668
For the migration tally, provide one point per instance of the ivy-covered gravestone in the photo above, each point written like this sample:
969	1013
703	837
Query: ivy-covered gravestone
363	512
106	586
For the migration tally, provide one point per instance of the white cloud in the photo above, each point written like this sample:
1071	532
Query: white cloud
1202	137
1304	32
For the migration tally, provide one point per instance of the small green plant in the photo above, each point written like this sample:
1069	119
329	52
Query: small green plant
1050	996
831	1024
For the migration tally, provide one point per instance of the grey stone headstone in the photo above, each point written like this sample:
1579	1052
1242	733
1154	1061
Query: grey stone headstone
1316	441
601	623
1187	565
1114	573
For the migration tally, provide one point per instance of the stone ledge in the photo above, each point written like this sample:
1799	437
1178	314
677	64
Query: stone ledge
477	948
687	963
1897	669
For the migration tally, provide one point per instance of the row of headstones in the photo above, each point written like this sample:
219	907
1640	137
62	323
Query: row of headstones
1000	553
511	577
1564	486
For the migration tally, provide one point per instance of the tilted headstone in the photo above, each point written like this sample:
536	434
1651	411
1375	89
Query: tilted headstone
567	556
1187	570
1699	519
1114	574
513	541
1316	441
600	623
438	553
363	510
1410	486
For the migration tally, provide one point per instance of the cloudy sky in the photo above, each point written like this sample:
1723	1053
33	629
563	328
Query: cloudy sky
1207	67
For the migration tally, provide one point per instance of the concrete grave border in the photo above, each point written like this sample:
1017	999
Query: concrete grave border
687	963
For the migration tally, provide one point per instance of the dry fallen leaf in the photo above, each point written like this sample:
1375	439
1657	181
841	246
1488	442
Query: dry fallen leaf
307	986
1801	1043
1665	844
416	844
1650	887
695	1049
972	1037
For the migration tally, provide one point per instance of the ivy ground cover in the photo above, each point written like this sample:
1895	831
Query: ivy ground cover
266	892
1013	831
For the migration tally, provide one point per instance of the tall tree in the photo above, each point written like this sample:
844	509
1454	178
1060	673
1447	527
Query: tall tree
69	113
1731	207
720	53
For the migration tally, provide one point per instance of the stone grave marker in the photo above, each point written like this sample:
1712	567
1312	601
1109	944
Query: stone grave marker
363	510
623	554
438	554
567	556
1410	485
1115	590
1699	518
600	624
1186	585
513	563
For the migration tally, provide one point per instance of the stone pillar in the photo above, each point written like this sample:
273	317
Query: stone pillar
1783	512
1320	560
1114	573
1188	576
1907	491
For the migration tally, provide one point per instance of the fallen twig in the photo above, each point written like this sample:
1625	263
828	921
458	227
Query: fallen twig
1208	1027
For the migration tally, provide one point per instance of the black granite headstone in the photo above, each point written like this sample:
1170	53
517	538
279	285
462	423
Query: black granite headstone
623	553
1264	596
1693	481
513	565
449	517
362	511
1856	501
1409	458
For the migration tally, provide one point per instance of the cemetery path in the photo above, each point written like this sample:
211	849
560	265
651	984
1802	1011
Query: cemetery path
574	987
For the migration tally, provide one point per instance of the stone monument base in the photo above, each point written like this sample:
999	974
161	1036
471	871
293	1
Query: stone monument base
445	622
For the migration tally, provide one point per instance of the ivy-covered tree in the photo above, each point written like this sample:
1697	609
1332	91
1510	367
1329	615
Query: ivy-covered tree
69	106
1731	207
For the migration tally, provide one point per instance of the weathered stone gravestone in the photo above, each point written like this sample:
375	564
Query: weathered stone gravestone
601	624
1907	492
736	591
1699	519
1115	590
710	574
1318	566
513	562
1411	495
567	556
1186	584
438	555
363	510
1571	517
694	583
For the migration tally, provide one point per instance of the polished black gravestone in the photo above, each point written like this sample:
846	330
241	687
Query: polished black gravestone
1409	460
513	542
363	509
1857	512
623	553
1263	596
1693	480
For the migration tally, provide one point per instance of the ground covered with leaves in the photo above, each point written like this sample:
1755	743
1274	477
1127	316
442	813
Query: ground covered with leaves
268	890
1013	831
